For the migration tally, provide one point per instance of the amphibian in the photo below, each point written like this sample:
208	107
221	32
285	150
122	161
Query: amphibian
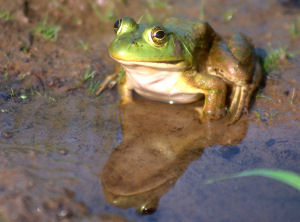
182	60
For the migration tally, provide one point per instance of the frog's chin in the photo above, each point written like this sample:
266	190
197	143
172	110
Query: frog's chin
172	65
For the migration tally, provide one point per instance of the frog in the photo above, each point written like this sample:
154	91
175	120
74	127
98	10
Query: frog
183	61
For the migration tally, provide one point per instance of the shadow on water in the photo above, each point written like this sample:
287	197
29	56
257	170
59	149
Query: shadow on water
159	143
290	3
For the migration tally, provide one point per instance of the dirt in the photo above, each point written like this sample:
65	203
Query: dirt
68	155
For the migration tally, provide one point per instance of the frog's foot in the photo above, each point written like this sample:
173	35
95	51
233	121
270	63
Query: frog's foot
238	103
109	82
212	114
242	95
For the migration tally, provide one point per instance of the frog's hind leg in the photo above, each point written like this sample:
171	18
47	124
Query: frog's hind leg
238	102
243	51
242	95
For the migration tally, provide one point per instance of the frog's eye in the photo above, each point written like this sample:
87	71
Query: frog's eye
158	35
125	25
117	25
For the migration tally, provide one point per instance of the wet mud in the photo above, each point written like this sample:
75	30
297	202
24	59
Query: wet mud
68	155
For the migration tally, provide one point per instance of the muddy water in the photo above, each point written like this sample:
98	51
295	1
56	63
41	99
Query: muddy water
68	155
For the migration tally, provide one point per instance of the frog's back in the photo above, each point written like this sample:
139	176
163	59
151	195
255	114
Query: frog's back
194	34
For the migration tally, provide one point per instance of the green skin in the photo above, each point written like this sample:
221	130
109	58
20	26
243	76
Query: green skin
206	63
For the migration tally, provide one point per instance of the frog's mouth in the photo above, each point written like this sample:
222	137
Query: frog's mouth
176	65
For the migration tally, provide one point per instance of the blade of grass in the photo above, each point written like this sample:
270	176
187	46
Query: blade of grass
140	19
122	72
202	13
47	31
5	15
5	76
286	177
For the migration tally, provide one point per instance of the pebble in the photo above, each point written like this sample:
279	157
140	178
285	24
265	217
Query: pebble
7	134
63	152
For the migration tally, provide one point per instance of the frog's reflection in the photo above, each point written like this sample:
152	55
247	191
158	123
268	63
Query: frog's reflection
159	142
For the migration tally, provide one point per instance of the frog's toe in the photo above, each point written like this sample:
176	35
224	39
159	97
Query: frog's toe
238	103
211	114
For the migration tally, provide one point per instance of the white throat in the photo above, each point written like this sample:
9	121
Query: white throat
158	81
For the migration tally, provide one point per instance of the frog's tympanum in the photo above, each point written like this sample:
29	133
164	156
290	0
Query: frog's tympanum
156	150
182	60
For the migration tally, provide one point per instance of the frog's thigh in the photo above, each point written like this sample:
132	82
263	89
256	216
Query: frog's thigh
214	89
222	62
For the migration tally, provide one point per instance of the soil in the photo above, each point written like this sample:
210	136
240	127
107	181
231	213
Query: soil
68	155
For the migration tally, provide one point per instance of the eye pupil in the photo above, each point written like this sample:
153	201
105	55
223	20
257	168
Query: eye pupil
160	34
117	25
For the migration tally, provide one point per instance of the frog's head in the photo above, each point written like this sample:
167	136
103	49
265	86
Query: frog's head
148	45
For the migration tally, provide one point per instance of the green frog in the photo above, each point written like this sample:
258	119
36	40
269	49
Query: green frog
183	60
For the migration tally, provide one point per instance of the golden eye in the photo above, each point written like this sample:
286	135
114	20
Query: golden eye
117	25
158	35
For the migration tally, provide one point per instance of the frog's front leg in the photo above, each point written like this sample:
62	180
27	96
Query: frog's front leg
125	90
214	89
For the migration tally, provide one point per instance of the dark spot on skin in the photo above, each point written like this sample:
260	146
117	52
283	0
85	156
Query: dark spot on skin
135	42
177	47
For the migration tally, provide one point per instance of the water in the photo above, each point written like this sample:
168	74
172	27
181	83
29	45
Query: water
83	158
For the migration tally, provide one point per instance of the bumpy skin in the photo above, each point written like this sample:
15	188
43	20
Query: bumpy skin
193	59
